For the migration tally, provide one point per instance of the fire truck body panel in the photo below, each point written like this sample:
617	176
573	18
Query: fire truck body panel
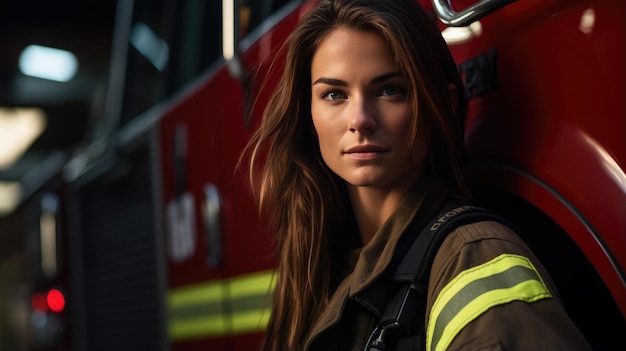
549	120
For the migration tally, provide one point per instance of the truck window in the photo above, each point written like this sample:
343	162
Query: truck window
172	42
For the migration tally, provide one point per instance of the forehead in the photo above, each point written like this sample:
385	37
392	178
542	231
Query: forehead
347	51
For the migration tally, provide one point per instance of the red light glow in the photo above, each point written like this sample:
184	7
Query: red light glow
56	300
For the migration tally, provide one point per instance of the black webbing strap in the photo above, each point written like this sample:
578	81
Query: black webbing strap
416	263
404	313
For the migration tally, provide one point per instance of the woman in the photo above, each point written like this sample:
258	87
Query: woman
364	129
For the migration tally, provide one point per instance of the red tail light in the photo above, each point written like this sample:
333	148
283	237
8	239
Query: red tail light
55	300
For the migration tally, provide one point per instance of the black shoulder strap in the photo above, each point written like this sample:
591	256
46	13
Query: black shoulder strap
404	313
416	263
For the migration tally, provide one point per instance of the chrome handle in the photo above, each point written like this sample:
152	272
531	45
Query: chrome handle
471	14
212	212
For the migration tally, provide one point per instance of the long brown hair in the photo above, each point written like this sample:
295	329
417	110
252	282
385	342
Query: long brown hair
307	201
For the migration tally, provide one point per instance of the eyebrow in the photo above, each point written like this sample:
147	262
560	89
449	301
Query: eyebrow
341	83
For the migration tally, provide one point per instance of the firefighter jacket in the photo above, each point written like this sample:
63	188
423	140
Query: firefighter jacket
486	291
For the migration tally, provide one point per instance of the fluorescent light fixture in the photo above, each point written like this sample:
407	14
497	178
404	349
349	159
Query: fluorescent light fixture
48	63
10	196
19	128
459	35
150	45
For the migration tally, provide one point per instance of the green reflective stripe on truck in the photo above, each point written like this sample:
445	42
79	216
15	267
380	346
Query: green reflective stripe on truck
233	306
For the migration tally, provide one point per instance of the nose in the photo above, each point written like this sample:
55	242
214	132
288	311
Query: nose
362	118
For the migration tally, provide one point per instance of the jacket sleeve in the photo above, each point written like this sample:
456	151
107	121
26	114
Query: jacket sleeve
487	291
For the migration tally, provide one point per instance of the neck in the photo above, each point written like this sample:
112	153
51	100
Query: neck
372	207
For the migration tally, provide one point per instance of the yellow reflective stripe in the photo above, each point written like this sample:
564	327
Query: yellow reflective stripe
194	294
212	326
251	321
226	307
209	326
504	279
252	284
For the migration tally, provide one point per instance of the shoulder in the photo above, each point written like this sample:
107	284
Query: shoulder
480	250
488	232
476	244
486	287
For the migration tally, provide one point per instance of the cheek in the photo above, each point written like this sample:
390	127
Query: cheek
402	130
327	136
323	134
322	123
400	125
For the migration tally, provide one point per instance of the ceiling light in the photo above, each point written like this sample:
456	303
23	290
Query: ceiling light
10	196
48	63
19	128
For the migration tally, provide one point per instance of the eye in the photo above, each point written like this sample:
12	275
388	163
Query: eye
333	95
392	90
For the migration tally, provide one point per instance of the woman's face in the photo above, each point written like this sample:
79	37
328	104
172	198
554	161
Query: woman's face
361	113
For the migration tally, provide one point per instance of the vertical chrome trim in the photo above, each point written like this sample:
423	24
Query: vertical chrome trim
229	30
117	75
230	40
212	212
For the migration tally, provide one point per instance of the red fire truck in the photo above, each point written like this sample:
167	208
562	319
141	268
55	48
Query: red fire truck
162	245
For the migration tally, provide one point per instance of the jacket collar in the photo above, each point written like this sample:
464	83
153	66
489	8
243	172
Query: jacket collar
377	254
374	258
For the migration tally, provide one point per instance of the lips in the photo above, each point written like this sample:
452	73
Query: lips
365	152
365	149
